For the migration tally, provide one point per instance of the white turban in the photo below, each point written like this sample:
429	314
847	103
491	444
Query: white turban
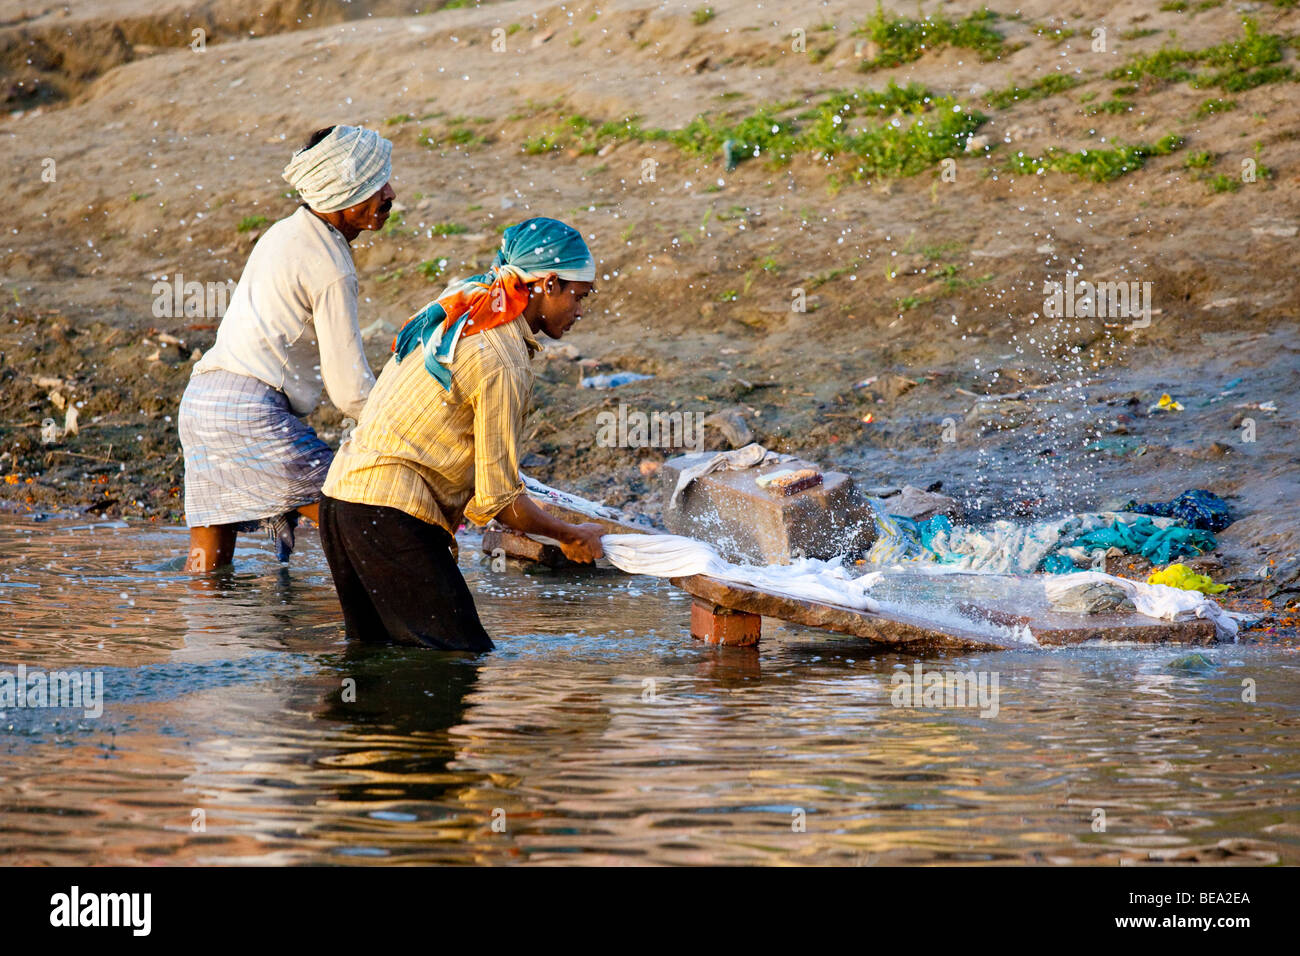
349	165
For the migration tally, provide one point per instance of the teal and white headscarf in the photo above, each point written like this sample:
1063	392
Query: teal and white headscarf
529	250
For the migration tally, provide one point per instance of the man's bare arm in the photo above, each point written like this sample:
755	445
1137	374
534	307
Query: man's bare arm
579	542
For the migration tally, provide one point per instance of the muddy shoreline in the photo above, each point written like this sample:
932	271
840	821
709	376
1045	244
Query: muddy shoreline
924	355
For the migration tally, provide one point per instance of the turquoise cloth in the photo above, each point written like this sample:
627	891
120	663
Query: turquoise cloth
1157	545
1007	547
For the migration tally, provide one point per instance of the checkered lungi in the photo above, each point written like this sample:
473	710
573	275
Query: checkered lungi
249	460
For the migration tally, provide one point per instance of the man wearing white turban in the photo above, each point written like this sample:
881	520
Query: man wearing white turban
291	330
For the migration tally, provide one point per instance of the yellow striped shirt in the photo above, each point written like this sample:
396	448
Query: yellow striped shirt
438	455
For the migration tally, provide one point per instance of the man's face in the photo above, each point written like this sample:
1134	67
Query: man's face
561	304
371	213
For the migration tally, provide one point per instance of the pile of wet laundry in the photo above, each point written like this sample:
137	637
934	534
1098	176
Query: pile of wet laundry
1158	531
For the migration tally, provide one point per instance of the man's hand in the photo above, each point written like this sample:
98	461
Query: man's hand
582	543
579	542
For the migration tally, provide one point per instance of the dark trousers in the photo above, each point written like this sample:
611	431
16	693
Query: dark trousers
397	580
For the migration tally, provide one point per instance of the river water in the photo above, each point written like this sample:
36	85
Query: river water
238	726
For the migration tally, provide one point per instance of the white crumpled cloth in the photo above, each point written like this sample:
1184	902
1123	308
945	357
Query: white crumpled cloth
750	456
1153	600
672	556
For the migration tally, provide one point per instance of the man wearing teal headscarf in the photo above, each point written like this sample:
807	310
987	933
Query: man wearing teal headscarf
439	441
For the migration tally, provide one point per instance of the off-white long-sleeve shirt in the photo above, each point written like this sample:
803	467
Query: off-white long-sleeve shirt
292	319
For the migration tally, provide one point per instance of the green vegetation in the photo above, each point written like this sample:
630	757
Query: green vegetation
900	40
1212	106
1041	88
398	119
1200	160
1138	33
1099	165
899	131
1058	35
1238	65
942	250
455	136
249	223
702	16
1223	183
432	269
1173	6
1112	107
447	229
394	224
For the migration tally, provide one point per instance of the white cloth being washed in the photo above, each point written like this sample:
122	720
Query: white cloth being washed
1153	600
292	320
672	556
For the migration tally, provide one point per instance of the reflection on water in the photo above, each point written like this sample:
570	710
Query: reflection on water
599	732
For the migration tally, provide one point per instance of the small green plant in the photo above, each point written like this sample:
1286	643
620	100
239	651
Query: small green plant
1041	88
432	269
702	16
1057	35
447	229
1212	106
1223	183
900	40
731	295
394	224
398	119
1112	107
1098	165
1173	6
1238	65
1199	160
249	223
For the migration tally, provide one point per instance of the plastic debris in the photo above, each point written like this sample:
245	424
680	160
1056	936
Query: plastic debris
50	432
614	379
1166	404
1183	577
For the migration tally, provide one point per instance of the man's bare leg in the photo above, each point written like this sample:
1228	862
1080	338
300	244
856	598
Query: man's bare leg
210	548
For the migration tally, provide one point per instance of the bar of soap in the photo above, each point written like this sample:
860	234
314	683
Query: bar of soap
789	481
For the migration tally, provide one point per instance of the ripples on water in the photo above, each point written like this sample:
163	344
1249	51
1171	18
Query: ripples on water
599	731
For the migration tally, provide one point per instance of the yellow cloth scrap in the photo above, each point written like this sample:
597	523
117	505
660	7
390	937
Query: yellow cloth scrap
1181	576
1167	403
